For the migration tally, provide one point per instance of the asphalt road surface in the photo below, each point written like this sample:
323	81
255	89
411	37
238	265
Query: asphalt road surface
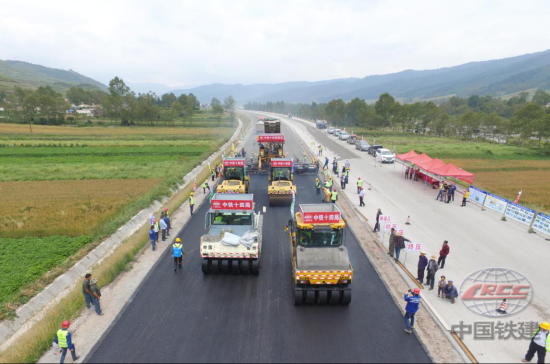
188	317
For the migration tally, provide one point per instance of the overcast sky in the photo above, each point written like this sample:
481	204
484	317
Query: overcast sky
190	43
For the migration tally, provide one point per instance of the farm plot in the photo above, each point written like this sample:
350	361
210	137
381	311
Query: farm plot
67	183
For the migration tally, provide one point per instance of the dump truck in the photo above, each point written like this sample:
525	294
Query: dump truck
233	243
321	267
235	176
281	188
272	125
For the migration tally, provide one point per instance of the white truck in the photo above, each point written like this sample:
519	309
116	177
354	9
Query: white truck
233	243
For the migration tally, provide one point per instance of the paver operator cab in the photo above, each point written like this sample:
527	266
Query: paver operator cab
322	270
234	239
270	146
281	182
235	176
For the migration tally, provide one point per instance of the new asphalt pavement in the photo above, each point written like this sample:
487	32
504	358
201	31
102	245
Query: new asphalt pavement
189	317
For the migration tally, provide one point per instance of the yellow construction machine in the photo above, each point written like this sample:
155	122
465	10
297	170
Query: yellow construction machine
235	176
320	262
281	188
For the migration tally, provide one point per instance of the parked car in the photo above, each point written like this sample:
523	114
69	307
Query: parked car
344	136
337	133
374	148
385	156
352	139
330	130
362	145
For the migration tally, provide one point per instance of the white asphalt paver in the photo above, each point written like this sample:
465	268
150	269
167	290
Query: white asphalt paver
477	239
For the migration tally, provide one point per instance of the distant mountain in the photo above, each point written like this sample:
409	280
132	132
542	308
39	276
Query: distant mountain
30	76
495	78
146	87
243	93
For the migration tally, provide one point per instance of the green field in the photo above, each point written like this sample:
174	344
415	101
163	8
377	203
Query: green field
68	187
25	260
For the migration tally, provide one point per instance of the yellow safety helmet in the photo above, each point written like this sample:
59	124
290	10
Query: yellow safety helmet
192	193
545	326
178	240
317	179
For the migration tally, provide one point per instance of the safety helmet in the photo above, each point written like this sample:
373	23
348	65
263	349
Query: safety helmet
545	326
178	240
330	177
66	324
192	193
317	179
416	291
359	178
335	190
166	209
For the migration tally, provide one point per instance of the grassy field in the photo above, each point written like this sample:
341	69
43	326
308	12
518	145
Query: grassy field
73	182
500	169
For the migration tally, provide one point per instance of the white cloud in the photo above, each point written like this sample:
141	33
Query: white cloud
206	41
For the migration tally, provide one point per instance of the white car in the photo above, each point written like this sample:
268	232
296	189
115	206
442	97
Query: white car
330	130
385	156
337	133
344	136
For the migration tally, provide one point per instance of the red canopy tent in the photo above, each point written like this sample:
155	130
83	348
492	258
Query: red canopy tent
405	156
451	170
424	158
435	163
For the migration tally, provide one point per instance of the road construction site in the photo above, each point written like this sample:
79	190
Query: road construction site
191	317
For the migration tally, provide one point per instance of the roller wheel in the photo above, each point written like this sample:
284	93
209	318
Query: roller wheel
215	266
334	298
323	298
255	267
226	266
245	267
235	269
298	298
346	298
310	298
206	266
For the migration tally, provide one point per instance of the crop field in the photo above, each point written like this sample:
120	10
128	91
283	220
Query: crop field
66	183
23	261
71	208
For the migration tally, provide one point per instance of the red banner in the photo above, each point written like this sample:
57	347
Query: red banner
234	163
232	205
321	217
281	164
271	138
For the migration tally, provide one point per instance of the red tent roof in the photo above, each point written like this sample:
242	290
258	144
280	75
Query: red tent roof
424	158
435	163
405	156
451	170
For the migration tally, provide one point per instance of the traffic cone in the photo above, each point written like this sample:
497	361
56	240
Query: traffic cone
502	309
408	221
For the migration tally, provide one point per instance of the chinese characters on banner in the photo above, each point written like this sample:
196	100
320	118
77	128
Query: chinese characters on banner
520	213
388	226
270	138
542	223
384	219
234	163
321	217
414	247
232	205
496	203
281	164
